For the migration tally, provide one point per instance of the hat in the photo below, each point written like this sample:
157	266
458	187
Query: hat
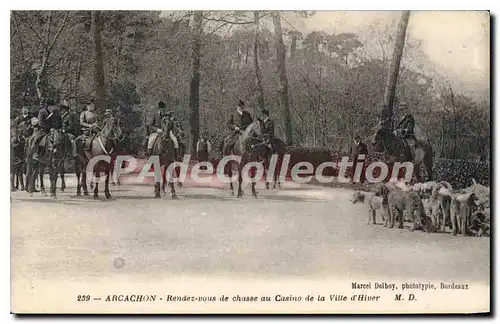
403	104
49	102
65	107
241	103
357	138
108	112
91	101
265	111
161	104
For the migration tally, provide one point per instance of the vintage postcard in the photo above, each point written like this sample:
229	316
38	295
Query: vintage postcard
250	162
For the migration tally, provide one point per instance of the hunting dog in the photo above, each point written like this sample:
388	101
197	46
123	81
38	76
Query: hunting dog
374	204
398	202
461	209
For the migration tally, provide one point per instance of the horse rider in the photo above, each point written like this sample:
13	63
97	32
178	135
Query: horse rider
69	125
48	118
245	120
174	127
89	125
154	127
23	122
359	148
203	147
405	129
268	130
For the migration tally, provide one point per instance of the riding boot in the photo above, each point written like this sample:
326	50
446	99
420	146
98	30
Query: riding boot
148	152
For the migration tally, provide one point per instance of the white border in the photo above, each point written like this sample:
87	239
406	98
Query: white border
183	5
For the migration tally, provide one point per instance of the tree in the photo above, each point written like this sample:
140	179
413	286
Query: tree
258	74
392	76
194	95
98	67
281	67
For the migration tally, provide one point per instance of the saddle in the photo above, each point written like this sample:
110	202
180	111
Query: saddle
87	145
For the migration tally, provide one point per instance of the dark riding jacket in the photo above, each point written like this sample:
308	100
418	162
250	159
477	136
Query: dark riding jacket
407	125
49	119
245	120
154	123
69	123
361	148
268	127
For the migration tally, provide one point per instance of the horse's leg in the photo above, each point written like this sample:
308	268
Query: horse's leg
240	180
41	174
106	183
172	186
83	171
254	192
178	175
53	180
163	171
266	171
157	189
12	186
78	175
229	172
97	175
20	177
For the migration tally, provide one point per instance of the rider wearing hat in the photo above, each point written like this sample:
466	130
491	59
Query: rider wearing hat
69	125
154	127
245	120
88	122
48	118
406	126
23	122
358	149
268	130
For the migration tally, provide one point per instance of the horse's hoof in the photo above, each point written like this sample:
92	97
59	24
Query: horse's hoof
85	193
108	195
78	193
31	194
400	226
96	197
231	193
13	189
174	197
157	196
44	193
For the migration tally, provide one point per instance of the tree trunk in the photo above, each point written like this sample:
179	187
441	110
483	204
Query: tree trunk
293	46
392	76
99	86
194	95
257	72
283	90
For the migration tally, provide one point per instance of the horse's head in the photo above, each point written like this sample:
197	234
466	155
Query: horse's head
14	136
379	139
112	129
55	141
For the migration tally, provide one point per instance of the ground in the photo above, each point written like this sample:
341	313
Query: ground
302	231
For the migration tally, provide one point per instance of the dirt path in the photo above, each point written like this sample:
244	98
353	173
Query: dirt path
302	231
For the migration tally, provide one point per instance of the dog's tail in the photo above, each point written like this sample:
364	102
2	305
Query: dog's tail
446	184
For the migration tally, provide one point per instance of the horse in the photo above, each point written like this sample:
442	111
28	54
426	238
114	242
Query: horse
52	156
385	141
164	148
277	148
103	143
17	164
248	147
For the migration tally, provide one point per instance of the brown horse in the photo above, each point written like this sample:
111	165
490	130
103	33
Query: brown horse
103	143
17	162
277	148
421	153
249	147
52	156
163	147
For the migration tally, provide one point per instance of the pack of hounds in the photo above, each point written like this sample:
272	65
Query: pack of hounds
431	207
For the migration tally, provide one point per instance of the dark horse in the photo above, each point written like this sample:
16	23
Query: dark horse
163	147
249	147
278	149
385	141
103	143
52	156
17	162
